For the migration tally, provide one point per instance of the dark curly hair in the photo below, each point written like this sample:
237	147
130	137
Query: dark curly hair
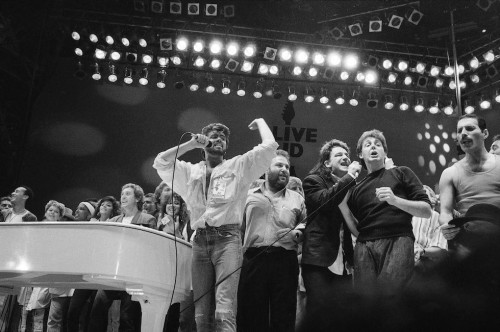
114	203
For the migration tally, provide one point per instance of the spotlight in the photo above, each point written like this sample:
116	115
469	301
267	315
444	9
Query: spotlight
388	103
127	76
328	73
301	56
448	108
469	106
344	75
351	61
435	71
210	88
309	95
449	71
354	100
228	11
312	72
160	78
336	33
292	95
247	66
403	103
193	84
231	65
392	77
75	35
273	70
142	38
474	78
82	49
175	7
484	4
176	59
198	46
96	74
80	72
216	63
215	47
419	105
100	52
139	6
242	85
402	65
276	91
249	50
334	59
232	49
434	106
386	63
452	85
270	53
131	57
408	80
259	87
162	60
491	71
193	8
375	24
211	9
372	61
199	61
484	102
414	16
439	83
355	29
115	55
157	6
112	77
420	67
339	97
371	77
147	57
297	71
395	21
422	81
263	69
318	59
324	99
166	44
109	39
285	54
372	101
474	63
181	44
497	95
143	80
360	77
226	88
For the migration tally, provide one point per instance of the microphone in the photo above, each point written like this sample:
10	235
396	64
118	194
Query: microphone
209	141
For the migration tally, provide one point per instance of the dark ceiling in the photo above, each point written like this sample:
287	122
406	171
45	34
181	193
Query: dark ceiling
33	35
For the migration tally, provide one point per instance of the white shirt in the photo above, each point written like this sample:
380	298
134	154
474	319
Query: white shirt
127	220
13	217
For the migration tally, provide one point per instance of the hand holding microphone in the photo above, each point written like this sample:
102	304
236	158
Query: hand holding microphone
201	141
354	168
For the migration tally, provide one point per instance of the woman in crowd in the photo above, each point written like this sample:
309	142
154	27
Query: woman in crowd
107	208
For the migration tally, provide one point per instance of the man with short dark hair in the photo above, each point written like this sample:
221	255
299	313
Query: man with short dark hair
215	190
150	205
473	179
5	207
269	276
495	145
18	199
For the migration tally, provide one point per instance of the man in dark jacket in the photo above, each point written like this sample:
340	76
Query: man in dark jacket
327	243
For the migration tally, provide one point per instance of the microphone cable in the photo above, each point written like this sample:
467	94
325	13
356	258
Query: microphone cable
268	247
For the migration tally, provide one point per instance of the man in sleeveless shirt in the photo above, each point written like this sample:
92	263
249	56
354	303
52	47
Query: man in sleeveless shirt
473	179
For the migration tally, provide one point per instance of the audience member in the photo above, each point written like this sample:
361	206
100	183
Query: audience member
107	208
495	145
150	205
5	207
18	199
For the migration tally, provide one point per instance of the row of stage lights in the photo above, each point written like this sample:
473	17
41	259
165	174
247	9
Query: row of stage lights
298	63
309	95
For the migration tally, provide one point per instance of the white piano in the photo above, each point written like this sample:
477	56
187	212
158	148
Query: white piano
98	255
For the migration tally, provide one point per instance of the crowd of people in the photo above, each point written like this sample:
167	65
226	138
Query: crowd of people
273	253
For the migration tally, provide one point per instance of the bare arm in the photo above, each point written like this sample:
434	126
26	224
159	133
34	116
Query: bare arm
350	219
197	141
415	208
446	195
265	133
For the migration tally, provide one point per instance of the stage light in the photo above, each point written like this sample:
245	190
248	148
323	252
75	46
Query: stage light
461	69
166	44
115	55
448	108
312	72
131	56
93	37
351	61
388	103
408	80
157	6
259	87
273	70
402	65
336	33
231	65
334	59
375	24
228	11
297	70
484	102
395	21
324	99
211	9
249	51
142	39
292	95
270	53
247	66
434	106
210	88
215	46
96	74
143	79
328	73
435	71
75	35
489	56
372	61
276	91
242	85
392	77
162	60
175	7
147	58
199	62
491	71
354	100
403	103
419	105
420	67
263	69
82	49
474	63
318	59
497	95
301	56
193	8
422	81
462	84
439	83
387	63
181	44
226	88
360	77
339	97
232	49
449	71
109	39
371	77
80	72
309	95
100	52
160	78
452	85
355	29
198	46
127	76
112	77
285	54
414	16
176	59
469	107
344	75
372	101
215	64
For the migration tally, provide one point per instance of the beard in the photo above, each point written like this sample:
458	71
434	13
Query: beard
276	182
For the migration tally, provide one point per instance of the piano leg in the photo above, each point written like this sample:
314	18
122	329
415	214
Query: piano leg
154	309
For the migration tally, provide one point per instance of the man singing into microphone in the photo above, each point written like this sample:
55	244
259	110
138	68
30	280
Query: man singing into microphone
215	190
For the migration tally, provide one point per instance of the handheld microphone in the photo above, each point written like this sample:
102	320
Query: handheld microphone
196	137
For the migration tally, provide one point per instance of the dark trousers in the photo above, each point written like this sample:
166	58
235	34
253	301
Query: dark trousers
328	298
267	292
130	311
82	299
